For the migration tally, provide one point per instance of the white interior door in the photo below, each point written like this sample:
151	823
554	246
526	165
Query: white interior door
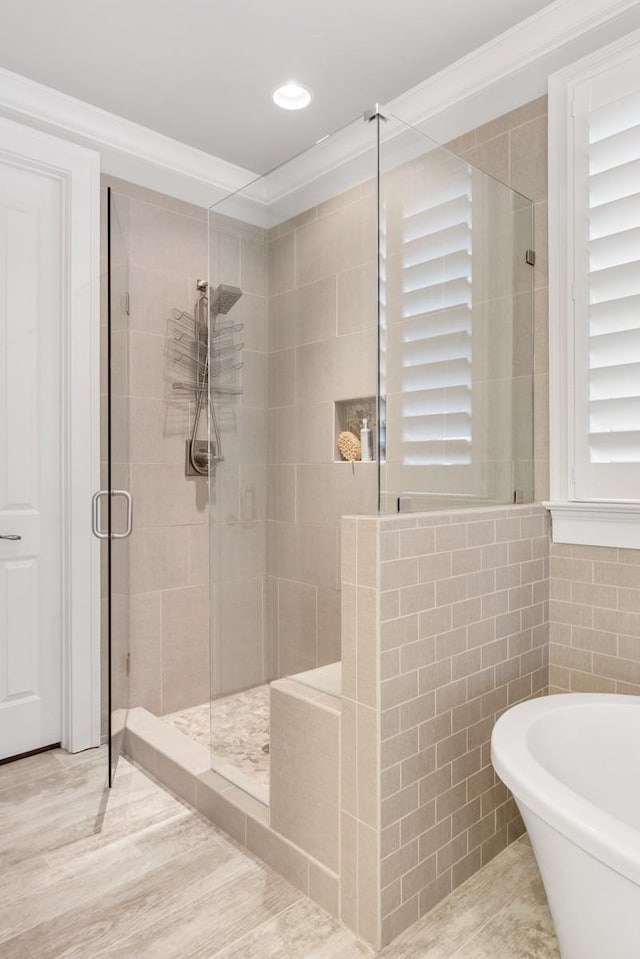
32	293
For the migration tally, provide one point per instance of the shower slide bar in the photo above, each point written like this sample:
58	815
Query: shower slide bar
193	336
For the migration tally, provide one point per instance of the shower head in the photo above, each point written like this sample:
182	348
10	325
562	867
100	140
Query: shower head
223	298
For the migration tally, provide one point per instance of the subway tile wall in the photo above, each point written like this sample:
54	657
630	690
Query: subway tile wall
594	608
450	612
594	614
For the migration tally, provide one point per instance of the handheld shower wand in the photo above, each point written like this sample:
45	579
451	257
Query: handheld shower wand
204	459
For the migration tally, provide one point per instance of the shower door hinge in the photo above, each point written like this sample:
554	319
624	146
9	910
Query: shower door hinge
530	257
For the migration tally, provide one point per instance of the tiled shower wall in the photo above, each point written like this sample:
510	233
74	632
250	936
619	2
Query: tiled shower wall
241	654
322	349
445	626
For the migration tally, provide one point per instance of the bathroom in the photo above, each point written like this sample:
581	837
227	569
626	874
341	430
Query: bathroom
310	650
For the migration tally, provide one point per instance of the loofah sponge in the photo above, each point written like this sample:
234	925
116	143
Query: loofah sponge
349	446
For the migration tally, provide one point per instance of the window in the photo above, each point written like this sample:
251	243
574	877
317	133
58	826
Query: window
594	213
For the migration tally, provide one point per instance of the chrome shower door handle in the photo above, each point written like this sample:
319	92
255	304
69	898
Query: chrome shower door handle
12	536
95	512
129	524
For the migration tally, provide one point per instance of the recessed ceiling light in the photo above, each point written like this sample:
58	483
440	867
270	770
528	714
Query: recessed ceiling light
292	96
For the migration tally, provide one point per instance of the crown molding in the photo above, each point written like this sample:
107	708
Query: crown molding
530	42
128	150
497	77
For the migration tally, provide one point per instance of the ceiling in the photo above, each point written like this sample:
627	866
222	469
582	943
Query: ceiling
202	71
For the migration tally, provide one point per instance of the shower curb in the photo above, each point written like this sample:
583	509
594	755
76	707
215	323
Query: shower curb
184	767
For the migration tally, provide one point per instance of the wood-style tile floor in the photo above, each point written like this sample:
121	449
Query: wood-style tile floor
136	874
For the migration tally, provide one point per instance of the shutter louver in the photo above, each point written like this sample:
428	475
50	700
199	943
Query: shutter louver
437	347
612	293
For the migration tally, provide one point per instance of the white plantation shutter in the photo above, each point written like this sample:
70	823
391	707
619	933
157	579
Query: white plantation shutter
606	112
436	341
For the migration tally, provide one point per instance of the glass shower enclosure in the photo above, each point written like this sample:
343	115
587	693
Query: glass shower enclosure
376	282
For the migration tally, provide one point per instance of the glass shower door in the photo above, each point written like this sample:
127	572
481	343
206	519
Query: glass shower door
115	508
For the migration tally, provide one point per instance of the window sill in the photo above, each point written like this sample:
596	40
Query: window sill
595	524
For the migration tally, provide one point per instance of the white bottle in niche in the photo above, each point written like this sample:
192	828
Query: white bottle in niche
365	442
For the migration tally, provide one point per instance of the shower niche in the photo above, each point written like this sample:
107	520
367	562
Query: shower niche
351	417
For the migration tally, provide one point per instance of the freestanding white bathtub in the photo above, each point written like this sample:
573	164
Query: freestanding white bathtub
573	764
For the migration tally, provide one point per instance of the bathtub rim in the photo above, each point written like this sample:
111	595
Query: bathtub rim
611	841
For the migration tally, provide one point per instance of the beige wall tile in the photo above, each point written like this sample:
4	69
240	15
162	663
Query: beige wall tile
165	241
367	547
367	645
281	493
491	156
348	760
145	646
416	712
398	632
237	643
158	559
368	767
282	378
397	747
403	917
514	118
343	492
339	368
329	636
297	612
368	885
185	647
304	779
389	605
324	888
425	651
400	690
399	573
337	242
198	555
306	314
399	862
253	266
281	252
349	871
357	304
279	854
528	149
349	642
164	496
